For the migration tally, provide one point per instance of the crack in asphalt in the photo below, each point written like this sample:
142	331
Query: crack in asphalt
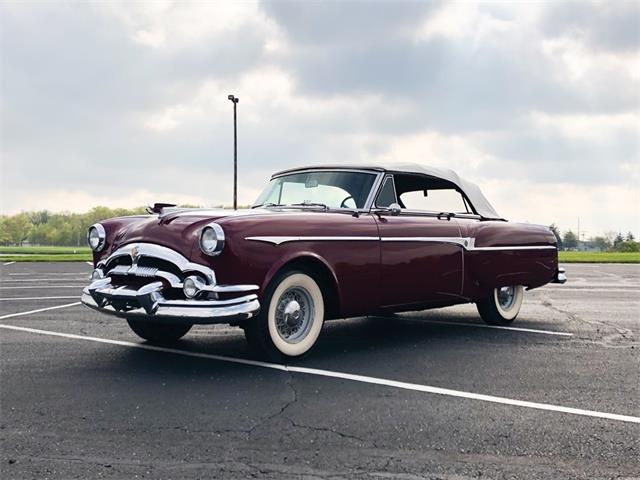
622	334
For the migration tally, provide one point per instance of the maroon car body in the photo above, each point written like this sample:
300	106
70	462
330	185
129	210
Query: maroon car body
371	258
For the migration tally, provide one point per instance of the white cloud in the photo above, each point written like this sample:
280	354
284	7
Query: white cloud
112	94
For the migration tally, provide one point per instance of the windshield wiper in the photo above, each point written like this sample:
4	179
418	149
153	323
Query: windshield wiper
269	204
310	204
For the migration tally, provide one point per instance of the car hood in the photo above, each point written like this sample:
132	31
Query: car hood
178	229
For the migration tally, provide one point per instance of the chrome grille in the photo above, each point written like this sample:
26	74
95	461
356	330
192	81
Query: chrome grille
146	261
134	270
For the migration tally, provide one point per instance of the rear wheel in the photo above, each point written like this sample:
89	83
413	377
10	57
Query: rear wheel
158	333
291	321
502	306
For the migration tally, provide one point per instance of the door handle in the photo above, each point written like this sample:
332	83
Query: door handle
443	215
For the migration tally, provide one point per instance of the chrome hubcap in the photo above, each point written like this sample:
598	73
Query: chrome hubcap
294	314
506	297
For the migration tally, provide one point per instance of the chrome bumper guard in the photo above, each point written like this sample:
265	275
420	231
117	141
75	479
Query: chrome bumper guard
560	277
148	303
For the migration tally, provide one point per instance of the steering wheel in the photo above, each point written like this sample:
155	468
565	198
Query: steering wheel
343	204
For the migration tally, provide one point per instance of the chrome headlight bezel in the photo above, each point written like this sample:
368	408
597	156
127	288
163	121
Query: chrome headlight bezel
212	240
96	231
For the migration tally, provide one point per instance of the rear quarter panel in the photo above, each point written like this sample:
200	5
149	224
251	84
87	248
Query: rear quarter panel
485	270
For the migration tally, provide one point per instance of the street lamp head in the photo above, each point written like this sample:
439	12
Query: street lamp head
233	99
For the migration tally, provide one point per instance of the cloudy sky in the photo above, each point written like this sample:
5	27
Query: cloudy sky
125	104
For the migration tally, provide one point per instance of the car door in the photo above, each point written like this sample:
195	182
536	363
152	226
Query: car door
421	259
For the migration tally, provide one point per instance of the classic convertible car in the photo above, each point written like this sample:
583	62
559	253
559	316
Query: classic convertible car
319	243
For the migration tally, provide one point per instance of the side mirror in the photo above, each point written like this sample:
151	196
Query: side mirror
394	209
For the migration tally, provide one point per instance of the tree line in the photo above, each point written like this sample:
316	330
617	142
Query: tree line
55	229
609	242
70	229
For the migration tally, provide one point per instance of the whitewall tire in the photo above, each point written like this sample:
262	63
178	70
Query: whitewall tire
291	318
502	306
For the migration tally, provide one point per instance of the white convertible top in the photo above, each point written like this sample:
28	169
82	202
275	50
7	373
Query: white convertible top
470	189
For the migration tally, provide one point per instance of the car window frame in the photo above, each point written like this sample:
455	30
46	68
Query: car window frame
472	215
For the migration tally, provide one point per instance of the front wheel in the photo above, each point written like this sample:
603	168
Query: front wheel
291	321
502	306
158	332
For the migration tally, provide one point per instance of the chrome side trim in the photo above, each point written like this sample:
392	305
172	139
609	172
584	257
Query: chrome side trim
465	242
514	247
277	240
468	243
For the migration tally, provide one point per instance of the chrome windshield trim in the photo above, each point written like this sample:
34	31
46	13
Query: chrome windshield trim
157	251
374	191
369	200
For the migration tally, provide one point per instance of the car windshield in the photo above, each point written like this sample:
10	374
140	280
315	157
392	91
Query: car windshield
331	189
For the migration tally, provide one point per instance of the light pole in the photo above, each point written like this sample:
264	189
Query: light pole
235	101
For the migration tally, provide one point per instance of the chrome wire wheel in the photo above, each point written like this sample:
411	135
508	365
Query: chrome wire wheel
294	314
506	297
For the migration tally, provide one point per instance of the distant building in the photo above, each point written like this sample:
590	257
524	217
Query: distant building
588	246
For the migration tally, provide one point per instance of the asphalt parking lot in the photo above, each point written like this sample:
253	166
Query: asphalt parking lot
423	395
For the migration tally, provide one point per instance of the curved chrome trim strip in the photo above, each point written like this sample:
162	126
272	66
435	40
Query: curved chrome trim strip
468	243
514	247
157	251
277	240
465	242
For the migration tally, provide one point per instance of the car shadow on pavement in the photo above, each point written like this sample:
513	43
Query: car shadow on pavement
362	340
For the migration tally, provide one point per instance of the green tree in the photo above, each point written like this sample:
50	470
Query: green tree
17	228
570	240
618	240
630	237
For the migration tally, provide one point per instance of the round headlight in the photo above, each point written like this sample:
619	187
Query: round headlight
96	237
212	239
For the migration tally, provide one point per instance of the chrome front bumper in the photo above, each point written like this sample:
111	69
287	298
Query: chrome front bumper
148	303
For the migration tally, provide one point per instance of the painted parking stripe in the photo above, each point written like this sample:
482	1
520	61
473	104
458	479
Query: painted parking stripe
23	274
89	263
78	278
342	376
497	327
20	314
8	263
66	297
46	286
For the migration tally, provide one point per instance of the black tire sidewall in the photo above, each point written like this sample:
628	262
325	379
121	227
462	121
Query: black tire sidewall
158	332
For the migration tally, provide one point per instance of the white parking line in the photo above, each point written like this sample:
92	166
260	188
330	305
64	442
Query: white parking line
8	263
38	298
89	263
340	375
20	314
47	286
23	280
23	274
498	327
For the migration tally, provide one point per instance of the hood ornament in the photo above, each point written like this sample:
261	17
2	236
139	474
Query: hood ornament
135	255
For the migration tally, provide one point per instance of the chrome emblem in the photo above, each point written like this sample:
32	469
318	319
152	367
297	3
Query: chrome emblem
135	254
